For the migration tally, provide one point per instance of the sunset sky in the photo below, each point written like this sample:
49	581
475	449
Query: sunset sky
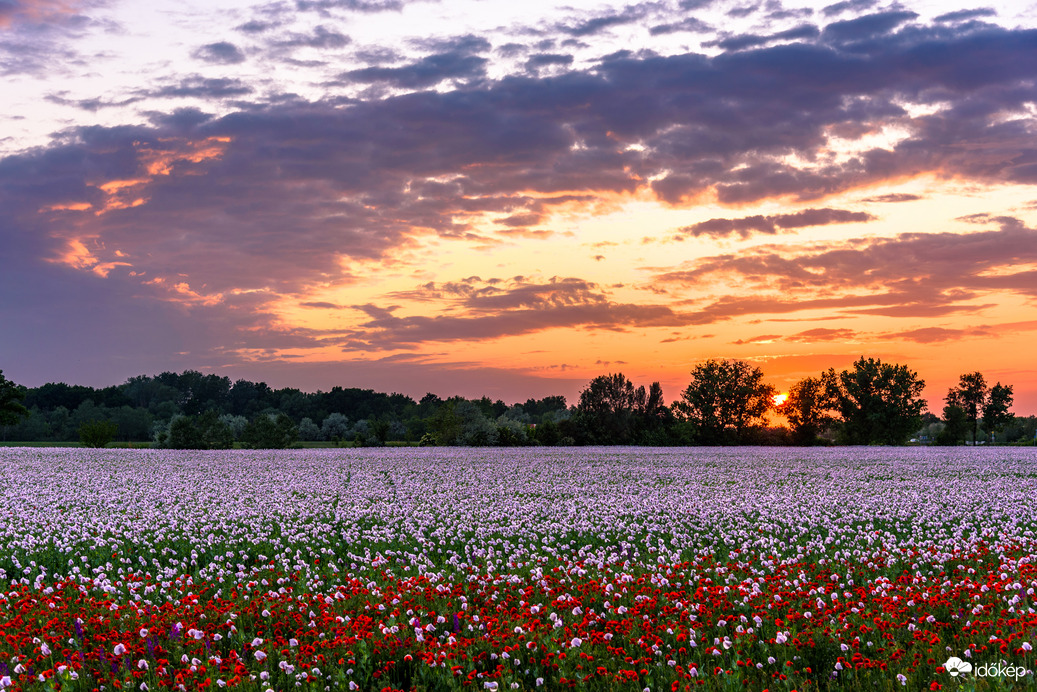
491	197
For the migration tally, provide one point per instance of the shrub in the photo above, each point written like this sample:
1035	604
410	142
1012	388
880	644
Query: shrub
97	433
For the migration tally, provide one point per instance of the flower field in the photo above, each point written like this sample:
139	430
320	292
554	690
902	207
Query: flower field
457	569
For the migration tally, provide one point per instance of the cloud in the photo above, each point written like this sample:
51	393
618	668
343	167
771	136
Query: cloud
848	6
363	6
200	87
598	23
966	15
198	212
895	197
913	274
426	72
92	104
743	41
764	339
868	26
822	334
221	53
474	309
539	60
36	11
321	37
770	225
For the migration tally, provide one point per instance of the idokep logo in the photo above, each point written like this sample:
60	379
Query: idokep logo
957	667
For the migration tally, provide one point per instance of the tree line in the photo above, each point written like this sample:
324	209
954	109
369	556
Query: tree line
726	402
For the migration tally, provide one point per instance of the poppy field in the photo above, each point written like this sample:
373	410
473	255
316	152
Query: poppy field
498	569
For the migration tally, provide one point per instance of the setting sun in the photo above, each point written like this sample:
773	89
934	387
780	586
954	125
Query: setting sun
779	399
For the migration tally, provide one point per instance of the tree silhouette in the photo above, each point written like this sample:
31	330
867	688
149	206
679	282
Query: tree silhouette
724	400
879	402
970	395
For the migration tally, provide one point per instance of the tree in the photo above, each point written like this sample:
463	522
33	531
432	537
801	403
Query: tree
308	430
612	411
205	431
97	433
879	402
269	432
606	409
996	415
970	395
810	407
955	426
335	427
11	397
724	400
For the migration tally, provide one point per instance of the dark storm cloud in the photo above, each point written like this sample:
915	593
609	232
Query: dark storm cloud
746	226
221	53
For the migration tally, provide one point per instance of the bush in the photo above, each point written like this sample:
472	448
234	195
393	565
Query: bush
204	431
266	432
97	433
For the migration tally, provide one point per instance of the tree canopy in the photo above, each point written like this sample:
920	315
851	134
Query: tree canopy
880	403
724	400
11	397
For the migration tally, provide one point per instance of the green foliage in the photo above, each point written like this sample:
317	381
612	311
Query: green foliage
204	431
724	401
97	433
879	402
427	440
267	432
11	396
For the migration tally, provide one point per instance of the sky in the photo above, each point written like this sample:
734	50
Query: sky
486	197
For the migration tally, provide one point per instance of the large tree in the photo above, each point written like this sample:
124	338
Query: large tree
810	407
11	396
995	410
613	411
724	400
880	403
970	395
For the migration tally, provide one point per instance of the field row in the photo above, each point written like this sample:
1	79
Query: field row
596	569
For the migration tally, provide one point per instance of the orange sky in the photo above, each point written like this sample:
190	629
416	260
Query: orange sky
473	201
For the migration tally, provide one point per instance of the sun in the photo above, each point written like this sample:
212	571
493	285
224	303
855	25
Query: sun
779	399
